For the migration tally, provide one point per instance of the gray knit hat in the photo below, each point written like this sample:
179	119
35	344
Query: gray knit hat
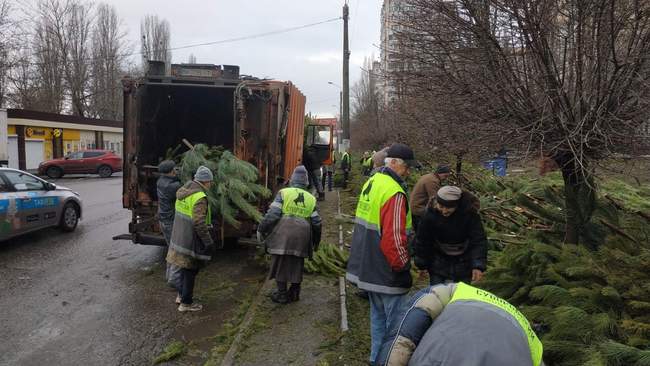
299	177
449	196
166	166
203	174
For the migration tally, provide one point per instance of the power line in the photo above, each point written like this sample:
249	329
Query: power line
223	41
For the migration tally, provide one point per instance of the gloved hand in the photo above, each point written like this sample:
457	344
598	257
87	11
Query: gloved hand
421	263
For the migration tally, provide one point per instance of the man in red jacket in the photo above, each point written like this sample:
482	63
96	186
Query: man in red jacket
379	260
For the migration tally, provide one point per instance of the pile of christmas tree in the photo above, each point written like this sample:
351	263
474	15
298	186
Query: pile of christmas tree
590	303
236	192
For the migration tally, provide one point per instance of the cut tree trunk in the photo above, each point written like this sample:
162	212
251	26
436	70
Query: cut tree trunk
580	199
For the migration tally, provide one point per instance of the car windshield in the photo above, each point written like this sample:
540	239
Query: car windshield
24	182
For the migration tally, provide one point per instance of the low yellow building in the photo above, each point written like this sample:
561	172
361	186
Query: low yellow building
37	136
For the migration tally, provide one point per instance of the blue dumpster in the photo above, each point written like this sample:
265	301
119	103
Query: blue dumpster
498	166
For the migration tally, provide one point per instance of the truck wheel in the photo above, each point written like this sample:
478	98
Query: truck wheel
69	217
54	172
104	171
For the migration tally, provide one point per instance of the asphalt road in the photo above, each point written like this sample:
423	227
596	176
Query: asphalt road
76	298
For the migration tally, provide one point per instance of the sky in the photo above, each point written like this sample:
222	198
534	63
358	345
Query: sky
310	57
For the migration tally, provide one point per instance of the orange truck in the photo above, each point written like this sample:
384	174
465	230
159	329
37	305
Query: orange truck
260	121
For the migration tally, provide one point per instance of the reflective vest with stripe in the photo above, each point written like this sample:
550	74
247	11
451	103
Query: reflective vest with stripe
184	239
367	266
466	292
368	163
297	202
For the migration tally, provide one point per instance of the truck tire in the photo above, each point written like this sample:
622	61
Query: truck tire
104	171
69	217
54	172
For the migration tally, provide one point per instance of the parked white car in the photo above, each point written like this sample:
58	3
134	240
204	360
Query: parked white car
29	203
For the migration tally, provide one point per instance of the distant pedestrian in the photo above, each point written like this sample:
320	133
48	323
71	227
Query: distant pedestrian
425	190
366	163
292	227
346	166
451	243
167	186
328	173
313	164
379	260
191	242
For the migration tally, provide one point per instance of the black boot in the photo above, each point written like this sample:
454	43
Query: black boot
280	296
294	292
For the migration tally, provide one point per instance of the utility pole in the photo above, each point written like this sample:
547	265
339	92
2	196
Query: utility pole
346	80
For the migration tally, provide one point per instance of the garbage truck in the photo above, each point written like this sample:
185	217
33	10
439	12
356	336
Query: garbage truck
260	121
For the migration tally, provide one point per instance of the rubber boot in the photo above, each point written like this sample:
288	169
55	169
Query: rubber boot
280	296
294	292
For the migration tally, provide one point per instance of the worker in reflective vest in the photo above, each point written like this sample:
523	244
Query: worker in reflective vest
379	260
460	325
346	165
191	243
292	227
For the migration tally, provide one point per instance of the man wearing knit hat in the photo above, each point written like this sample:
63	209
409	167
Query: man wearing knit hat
425	190
191	243
450	242
166	187
292	227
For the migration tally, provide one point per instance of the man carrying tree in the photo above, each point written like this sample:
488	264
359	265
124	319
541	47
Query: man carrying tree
379	259
191	242
450	243
292	227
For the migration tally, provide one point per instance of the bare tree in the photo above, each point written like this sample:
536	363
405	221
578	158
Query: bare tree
24	91
75	39
6	46
50	50
155	39
566	78
108	57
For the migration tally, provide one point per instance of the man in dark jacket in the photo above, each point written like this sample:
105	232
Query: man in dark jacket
191	243
425	190
292	227
451	243
460	325
313	165
167	186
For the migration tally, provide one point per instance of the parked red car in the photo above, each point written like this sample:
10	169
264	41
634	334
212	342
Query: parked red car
102	162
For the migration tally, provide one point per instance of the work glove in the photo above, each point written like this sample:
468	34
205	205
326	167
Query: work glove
421	263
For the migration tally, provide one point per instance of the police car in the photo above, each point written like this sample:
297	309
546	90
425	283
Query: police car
29	203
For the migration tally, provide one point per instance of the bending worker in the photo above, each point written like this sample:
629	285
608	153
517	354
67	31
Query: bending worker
451	243
460	325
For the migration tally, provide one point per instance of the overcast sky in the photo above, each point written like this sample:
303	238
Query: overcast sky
309	57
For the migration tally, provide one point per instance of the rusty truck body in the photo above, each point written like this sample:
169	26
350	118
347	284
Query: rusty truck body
260	121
